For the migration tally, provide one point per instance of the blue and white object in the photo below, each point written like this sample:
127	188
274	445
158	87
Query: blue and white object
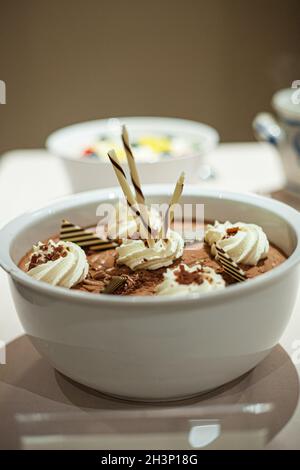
283	132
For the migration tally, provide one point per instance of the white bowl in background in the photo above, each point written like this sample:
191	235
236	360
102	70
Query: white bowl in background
85	174
156	348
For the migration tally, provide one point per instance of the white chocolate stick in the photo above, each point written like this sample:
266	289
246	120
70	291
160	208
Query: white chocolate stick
133	169
135	179
169	216
127	191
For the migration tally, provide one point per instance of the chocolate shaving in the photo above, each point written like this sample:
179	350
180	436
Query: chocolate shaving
185	277
42	258
232	231
35	260
93	289
98	275
91	282
130	281
114	284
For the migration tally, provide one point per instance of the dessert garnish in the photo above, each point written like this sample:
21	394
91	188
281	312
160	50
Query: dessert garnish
232	231
244	243
229	266
135	179
184	279
137	255
93	285
149	253
169	216
44	252
84	238
124	224
115	283
132	203
62	263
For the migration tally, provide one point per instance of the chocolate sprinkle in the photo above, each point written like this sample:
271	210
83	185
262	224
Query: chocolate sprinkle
232	231
54	252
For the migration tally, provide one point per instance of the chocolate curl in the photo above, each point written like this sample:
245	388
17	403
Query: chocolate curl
135	179
133	169
169	216
229	266
114	284
127	192
84	238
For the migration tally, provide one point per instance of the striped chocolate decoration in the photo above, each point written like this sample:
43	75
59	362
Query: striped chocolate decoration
138	214
84	238
174	200
127	191
229	266
132	166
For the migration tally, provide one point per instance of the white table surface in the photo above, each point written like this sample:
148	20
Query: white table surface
29	178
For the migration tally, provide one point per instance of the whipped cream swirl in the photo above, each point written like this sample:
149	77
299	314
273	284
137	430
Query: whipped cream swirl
244	243
124	224
185	280
59	264
137	255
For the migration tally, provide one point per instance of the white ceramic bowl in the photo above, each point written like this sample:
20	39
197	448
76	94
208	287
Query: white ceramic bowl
86	174
156	348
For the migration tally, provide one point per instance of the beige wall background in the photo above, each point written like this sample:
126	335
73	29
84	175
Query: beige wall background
217	61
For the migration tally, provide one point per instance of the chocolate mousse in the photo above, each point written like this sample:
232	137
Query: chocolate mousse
103	267
140	253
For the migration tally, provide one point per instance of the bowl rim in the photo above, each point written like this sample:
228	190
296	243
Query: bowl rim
287	213
50	143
